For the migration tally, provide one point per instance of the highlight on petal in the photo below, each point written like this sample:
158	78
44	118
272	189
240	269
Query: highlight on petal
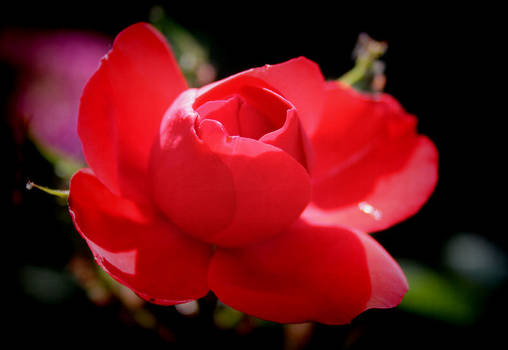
136	246
122	106
309	273
226	190
372	168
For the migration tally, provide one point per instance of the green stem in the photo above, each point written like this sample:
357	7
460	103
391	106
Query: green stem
58	193
357	73
367	51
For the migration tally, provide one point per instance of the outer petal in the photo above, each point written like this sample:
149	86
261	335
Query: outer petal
122	106
372	169
298	80
310	273
225	190
135	246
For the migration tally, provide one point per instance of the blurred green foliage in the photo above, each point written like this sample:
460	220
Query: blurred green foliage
433	294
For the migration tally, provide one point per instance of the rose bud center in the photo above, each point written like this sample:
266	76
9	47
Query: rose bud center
251	113
257	113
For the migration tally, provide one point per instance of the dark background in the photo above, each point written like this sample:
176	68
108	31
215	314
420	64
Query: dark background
438	63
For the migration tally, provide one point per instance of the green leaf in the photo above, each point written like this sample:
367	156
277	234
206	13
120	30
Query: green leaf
226	317
65	166
192	55
46	285
435	295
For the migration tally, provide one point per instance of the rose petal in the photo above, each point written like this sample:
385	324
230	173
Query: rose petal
309	273
298	80
136	246
372	169
225	190
388	282
122	106
292	139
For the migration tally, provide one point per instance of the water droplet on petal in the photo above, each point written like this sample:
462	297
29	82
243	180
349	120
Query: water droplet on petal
370	210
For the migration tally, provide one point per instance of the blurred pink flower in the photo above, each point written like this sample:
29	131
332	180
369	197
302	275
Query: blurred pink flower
53	68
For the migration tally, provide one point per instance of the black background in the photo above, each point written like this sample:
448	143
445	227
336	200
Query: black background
439	66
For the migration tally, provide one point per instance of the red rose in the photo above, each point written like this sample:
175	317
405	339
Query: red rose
257	187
